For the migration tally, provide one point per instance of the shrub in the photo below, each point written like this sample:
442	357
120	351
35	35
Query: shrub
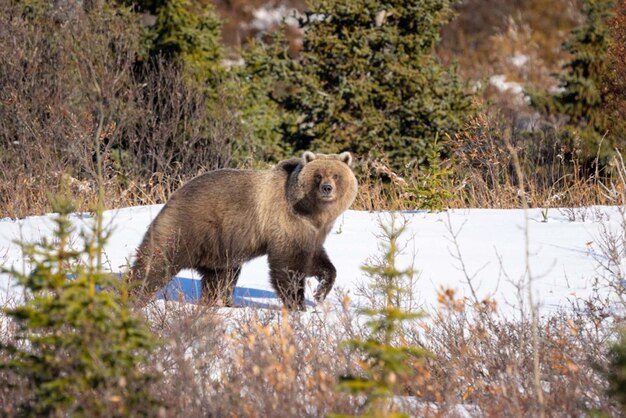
64	67
77	349
187	33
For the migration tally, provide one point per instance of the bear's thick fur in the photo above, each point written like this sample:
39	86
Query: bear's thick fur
221	219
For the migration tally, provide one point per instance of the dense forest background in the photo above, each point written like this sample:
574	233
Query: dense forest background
437	99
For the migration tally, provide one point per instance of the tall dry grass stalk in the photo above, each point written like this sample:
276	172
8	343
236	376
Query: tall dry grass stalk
533	307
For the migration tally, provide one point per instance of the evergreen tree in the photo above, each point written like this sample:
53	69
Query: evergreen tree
584	75
367	80
249	85
186	32
615	100
386	359
584	81
78	347
189	33
431	192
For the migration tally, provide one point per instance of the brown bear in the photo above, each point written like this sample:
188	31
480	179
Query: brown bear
223	218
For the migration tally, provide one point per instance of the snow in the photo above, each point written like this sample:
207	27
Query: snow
519	60
499	82
562	252
265	18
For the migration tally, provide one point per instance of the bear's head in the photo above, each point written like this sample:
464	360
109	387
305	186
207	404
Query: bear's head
322	183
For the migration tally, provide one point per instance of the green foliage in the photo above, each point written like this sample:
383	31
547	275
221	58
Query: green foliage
431	192
584	80
617	372
367	80
189	33
78	346
386	358
249	85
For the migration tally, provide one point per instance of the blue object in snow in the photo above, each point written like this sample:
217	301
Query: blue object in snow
190	290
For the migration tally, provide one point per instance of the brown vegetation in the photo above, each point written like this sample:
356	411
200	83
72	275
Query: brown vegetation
479	172
69	86
256	363
248	362
617	52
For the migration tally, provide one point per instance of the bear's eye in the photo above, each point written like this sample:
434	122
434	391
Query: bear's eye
335	176
318	178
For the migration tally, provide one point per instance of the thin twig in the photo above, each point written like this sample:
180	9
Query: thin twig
532	306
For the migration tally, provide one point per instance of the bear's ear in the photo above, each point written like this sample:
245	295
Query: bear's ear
308	156
346	157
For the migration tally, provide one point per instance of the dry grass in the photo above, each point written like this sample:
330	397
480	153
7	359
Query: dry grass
248	362
240	362
479	172
484	363
485	359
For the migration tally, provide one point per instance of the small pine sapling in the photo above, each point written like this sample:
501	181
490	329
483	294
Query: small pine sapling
385	357
430	192
78	348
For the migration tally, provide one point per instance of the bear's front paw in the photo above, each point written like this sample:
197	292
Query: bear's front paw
320	293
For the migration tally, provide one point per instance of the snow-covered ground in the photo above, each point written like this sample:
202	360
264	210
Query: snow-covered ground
563	253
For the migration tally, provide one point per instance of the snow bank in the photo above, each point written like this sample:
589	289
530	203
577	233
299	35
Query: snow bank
562	254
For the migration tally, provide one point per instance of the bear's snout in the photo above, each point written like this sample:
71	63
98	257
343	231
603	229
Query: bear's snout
327	189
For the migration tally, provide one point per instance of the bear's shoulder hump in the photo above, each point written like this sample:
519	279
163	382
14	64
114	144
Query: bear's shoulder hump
288	166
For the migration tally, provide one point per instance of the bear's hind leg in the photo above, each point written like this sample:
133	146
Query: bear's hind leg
218	284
